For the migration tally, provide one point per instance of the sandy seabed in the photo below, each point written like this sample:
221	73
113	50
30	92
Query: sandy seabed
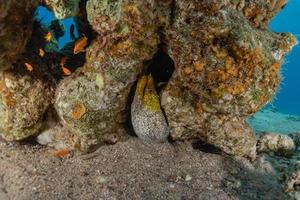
131	170
270	120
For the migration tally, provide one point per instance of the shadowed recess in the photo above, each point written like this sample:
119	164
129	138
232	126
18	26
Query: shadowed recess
161	67
50	51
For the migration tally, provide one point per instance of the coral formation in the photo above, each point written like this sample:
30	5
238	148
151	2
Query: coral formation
23	102
114	60
292	179
279	144
224	66
296	137
227	66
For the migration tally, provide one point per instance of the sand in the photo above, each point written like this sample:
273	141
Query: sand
270	120
131	170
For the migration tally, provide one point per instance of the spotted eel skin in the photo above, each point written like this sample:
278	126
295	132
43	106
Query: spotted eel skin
148	120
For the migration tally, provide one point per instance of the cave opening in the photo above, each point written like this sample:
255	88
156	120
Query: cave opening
64	30
161	67
206	148
50	54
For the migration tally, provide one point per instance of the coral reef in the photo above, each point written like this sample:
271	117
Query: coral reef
279	144
114	60
224	66
296	137
227	66
292	179
258	12
23	102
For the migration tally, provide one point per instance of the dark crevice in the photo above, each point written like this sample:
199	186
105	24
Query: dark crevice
48	67
128	123
161	68
83	24
206	148
173	12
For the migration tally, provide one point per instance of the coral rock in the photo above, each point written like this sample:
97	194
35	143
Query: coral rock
259	12
23	102
226	67
279	144
93	103
296	137
121	18
292	178
231	134
90	110
64	8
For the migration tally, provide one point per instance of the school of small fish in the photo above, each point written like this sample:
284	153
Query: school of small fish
79	47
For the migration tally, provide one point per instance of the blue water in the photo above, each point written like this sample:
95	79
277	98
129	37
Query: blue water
45	16
287	99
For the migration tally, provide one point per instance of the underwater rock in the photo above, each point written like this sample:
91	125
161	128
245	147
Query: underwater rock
91	108
264	165
231	134
296	137
56	137
93	103
227	66
64	8
223	66
127	18
16	19
147	118
23	102
279	144
292	178
258	12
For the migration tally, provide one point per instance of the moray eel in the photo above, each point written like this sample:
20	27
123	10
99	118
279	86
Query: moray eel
148	120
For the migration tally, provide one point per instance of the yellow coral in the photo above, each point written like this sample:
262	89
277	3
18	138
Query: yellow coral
199	65
7	96
122	49
188	70
10	100
275	67
132	9
236	88
78	111
220	52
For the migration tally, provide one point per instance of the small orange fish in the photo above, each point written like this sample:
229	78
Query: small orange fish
41	52
66	71
48	36
63	61
62	153
29	67
80	44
